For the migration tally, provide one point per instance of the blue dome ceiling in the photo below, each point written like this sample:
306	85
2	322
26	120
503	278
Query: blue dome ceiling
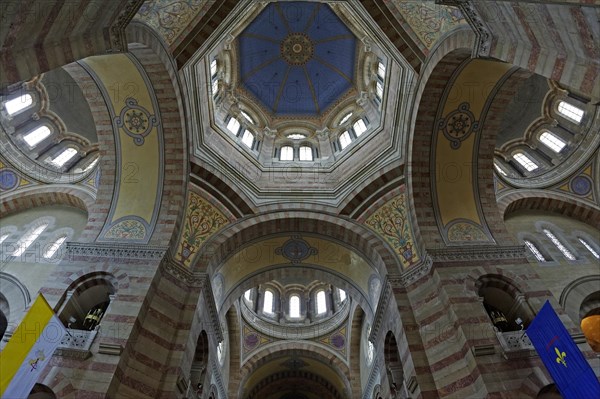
297	58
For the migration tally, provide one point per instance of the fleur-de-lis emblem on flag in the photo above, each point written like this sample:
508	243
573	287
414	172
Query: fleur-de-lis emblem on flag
560	357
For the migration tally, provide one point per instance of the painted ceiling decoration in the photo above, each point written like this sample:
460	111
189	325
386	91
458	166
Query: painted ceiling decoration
392	221
297	58
172	18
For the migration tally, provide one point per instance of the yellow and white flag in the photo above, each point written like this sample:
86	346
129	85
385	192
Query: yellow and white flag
29	350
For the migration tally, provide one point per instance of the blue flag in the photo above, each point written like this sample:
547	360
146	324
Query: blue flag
572	374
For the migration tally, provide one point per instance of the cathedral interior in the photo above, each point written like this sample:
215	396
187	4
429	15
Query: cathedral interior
241	199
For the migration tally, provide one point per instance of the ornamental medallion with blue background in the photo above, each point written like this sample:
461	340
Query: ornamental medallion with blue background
581	185
8	179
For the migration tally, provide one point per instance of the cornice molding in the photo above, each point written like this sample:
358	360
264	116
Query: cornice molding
482	31
382	305
477	253
118	39
114	251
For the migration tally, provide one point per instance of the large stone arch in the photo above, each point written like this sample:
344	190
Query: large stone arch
282	349
575	294
345	231
549	201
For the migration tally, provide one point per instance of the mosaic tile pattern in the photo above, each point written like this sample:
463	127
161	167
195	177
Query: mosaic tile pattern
429	21
171	18
391	221
201	221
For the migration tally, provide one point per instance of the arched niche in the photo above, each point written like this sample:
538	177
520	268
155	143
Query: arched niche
87	300
393	367
200	363
40	391
504	303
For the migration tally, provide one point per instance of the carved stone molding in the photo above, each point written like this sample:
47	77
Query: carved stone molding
415	272
114	251
484	36
476	253
384	300
209	300
371	382
117	30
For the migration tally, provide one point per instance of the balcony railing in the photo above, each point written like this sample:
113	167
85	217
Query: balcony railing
76	343
515	343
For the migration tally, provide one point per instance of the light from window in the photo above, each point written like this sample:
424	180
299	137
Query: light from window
585	244
342	295
381	70
36	136
559	245
220	351
295	306
233	126
525	161
359	127
287	153
570	111
248	138
268	302
248	117
49	253
64	156
215	86
379	90
3	237
296	136
345	118
247	294
306	153
321	302
345	139
213	68
535	251
370	347
18	104
552	142
499	169
91	165
29	237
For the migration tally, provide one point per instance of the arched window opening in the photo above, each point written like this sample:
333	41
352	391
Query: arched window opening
321	302
359	127
36	136
40	391
345	118
221	351
504	304
551	141
53	248
381	70
549	392
393	367
247	117
370	346
286	153
233	126
586	244
296	136
500	170
268	302
570	111
4	315
18	104
248	139
28	238
306	153
535	251
379	91
345	140
342	294
87	304
567	254
64	157
295	306
247	295
200	362
213	68
525	161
